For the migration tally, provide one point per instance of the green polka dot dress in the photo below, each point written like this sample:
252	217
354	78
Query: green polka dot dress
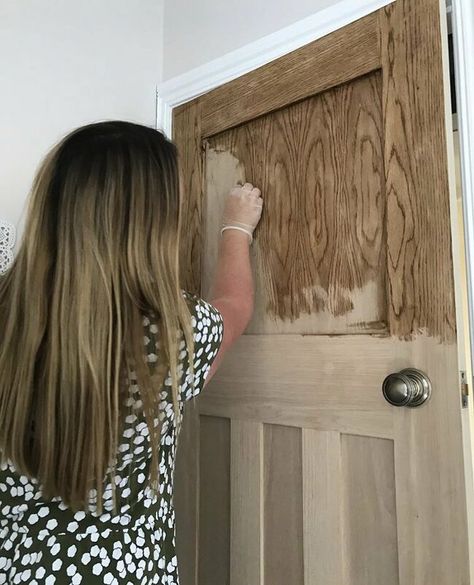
43	542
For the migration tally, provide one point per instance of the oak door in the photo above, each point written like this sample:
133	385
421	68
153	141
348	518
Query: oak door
293	468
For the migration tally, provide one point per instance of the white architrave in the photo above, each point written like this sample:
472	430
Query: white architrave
185	87
463	38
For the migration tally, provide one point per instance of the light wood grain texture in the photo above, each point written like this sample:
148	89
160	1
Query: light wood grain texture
320	247
214	496
186	496
322	508
430	481
370	549
283	534
344	55
246	558
318	373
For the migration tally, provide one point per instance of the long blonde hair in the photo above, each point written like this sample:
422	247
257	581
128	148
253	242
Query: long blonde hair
100	249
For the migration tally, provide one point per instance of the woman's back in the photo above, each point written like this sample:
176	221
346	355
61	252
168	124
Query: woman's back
89	427
45	542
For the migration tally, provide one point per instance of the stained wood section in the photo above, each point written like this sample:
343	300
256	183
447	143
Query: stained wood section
344	55
418	216
214	496
246	561
320	246
283	506
370	528
322	508
187	136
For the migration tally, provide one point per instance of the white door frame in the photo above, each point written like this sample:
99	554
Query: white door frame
463	37
462	21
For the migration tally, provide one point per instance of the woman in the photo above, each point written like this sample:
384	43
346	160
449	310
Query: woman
100	349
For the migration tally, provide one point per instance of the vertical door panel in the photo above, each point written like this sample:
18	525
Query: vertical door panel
320	247
283	506
214	498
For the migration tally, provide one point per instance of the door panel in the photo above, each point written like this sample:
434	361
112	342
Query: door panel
214	511
283	515
369	516
295	469
320	259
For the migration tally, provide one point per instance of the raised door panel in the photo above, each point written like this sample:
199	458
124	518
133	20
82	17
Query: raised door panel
320	248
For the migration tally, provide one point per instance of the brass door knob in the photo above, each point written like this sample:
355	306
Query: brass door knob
409	387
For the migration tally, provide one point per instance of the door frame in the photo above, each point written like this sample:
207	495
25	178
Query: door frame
462	22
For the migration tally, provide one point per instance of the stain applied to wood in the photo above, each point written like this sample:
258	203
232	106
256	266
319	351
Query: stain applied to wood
319	164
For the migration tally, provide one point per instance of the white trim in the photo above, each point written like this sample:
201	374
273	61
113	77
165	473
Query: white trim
463	38
202	79
462	24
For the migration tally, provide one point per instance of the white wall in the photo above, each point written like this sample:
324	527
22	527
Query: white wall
65	63
201	30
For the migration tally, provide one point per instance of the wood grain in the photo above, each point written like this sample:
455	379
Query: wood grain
214	497
418	218
429	455
320	244
283	506
314	372
346	54
370	525
187	136
186	496
322	505
246	560
325	384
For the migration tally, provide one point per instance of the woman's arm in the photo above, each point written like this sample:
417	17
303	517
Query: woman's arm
232	291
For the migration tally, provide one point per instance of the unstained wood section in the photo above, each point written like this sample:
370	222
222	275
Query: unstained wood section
322	508
214	513
246	556
320	246
346	54
185	497
370	549
283	506
310	381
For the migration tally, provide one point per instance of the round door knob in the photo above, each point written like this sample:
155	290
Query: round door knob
409	387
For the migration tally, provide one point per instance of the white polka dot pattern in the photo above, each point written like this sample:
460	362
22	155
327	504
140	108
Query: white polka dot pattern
43	542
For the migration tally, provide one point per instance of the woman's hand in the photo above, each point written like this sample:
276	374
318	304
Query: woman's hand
243	209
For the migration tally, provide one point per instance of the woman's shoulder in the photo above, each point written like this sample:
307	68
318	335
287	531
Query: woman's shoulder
201	309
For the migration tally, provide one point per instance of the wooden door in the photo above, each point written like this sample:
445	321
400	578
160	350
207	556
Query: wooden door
293	469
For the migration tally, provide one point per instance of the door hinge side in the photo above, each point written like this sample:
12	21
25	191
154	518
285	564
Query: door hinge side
464	390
